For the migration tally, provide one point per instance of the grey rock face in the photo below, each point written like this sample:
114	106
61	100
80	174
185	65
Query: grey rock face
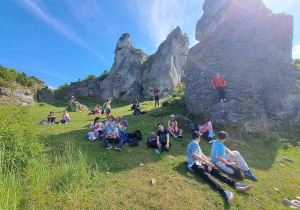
46	95
84	88
134	73
17	95
76	105
124	79
251	49
164	70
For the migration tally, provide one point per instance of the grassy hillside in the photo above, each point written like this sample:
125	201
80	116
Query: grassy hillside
55	167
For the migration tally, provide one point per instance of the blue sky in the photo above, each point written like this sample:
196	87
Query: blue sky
60	41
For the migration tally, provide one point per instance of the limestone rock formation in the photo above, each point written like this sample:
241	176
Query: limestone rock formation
46	95
133	73
83	88
251	49
17	95
124	79
75	105
164	70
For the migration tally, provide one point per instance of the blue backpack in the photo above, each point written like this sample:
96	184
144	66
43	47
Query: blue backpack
193	127
124	135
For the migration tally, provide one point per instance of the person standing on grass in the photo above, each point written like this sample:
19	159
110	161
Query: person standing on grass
156	97
199	163
173	127
219	83
107	107
51	118
223	157
162	139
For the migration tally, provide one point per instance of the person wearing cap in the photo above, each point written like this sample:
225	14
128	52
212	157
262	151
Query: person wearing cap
162	139
223	157
199	163
121	124
112	134
173	127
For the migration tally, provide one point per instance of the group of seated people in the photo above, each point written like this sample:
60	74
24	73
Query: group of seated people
109	132
64	120
223	160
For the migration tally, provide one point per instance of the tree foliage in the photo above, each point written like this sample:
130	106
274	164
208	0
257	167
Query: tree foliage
8	75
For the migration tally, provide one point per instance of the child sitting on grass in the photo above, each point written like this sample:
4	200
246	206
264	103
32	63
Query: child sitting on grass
223	157
173	127
162	140
198	162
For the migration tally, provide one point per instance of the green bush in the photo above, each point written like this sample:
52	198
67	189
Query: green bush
8	75
103	75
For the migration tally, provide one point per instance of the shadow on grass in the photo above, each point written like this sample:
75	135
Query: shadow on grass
183	170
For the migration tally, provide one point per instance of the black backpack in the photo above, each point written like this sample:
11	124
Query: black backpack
193	127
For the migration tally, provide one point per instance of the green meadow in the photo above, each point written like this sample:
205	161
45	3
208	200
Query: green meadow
56	167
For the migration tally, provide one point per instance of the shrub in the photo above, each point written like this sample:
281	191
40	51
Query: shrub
103	75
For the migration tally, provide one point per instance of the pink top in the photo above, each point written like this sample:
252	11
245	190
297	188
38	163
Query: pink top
172	124
208	126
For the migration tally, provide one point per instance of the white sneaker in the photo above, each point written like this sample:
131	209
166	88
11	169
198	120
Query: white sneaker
66	123
93	138
175	137
59	123
52	123
157	151
222	100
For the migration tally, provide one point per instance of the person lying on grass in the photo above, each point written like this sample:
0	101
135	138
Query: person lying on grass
162	140
223	157
199	163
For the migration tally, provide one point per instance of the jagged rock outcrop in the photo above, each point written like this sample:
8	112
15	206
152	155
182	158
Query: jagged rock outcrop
46	95
124	79
83	88
75	105
17	95
133	73
164	70
251	49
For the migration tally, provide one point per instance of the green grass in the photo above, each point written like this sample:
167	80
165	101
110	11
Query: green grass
55	167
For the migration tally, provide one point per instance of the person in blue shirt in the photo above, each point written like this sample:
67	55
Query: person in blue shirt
223	157
199	163
162	139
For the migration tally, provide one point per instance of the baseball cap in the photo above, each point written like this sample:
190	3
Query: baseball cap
172	115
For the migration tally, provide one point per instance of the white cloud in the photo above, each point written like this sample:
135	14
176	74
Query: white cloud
53	88
38	9
296	52
159	17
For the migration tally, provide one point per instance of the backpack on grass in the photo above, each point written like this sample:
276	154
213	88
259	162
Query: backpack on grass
193	127
151	142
